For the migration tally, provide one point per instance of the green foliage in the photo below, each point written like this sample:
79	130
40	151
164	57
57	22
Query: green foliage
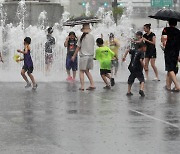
118	11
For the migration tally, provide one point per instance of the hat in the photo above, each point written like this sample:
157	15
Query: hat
86	28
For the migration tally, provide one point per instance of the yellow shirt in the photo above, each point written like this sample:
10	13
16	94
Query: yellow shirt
114	46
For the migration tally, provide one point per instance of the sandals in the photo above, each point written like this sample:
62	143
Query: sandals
81	89
175	90
168	89
91	88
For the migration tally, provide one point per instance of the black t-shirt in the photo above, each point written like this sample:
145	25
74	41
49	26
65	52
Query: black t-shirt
135	64
72	45
173	41
150	47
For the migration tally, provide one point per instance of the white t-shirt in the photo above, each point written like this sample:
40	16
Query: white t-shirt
86	46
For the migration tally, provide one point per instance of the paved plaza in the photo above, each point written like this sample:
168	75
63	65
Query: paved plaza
60	119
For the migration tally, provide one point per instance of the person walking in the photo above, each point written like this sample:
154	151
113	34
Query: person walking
171	53
85	47
150	55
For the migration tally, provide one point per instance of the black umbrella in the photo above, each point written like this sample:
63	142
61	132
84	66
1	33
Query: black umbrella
81	20
166	14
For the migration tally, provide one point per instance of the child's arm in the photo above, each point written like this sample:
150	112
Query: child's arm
27	48
152	42
66	42
138	41
124	56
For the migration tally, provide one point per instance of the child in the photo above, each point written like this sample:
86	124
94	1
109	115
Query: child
28	64
104	55
70	43
136	67
114	45
49	49
139	39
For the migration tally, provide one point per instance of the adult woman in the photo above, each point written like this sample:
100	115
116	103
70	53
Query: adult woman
85	47
171	53
150	55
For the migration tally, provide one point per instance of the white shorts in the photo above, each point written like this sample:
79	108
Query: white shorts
86	63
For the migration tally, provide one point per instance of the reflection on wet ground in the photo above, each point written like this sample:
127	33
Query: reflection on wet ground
58	118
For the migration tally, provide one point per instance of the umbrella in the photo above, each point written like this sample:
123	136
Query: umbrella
166	14
81	20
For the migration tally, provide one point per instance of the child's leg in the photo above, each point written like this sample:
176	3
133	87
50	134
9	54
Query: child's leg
74	74
131	79
32	78
105	79
68	73
129	88
142	86
108	76
24	75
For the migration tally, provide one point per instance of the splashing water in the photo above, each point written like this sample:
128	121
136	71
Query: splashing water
87	13
42	20
13	37
21	13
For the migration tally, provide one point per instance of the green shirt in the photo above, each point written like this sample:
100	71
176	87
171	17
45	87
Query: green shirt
104	55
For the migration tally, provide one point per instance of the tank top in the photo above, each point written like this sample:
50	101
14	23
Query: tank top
27	59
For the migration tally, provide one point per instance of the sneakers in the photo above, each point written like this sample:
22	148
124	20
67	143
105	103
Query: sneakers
129	94
112	82
34	87
107	87
28	85
141	93
69	78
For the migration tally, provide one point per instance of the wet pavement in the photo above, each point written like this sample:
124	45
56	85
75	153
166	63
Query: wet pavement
60	119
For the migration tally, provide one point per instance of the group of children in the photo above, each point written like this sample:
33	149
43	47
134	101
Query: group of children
106	54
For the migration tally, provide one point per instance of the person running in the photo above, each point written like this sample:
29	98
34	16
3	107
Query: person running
104	55
114	45
171	54
136	68
49	49
150	55
71	44
28	64
85	47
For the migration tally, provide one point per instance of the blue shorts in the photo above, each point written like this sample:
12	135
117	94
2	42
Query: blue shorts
70	64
